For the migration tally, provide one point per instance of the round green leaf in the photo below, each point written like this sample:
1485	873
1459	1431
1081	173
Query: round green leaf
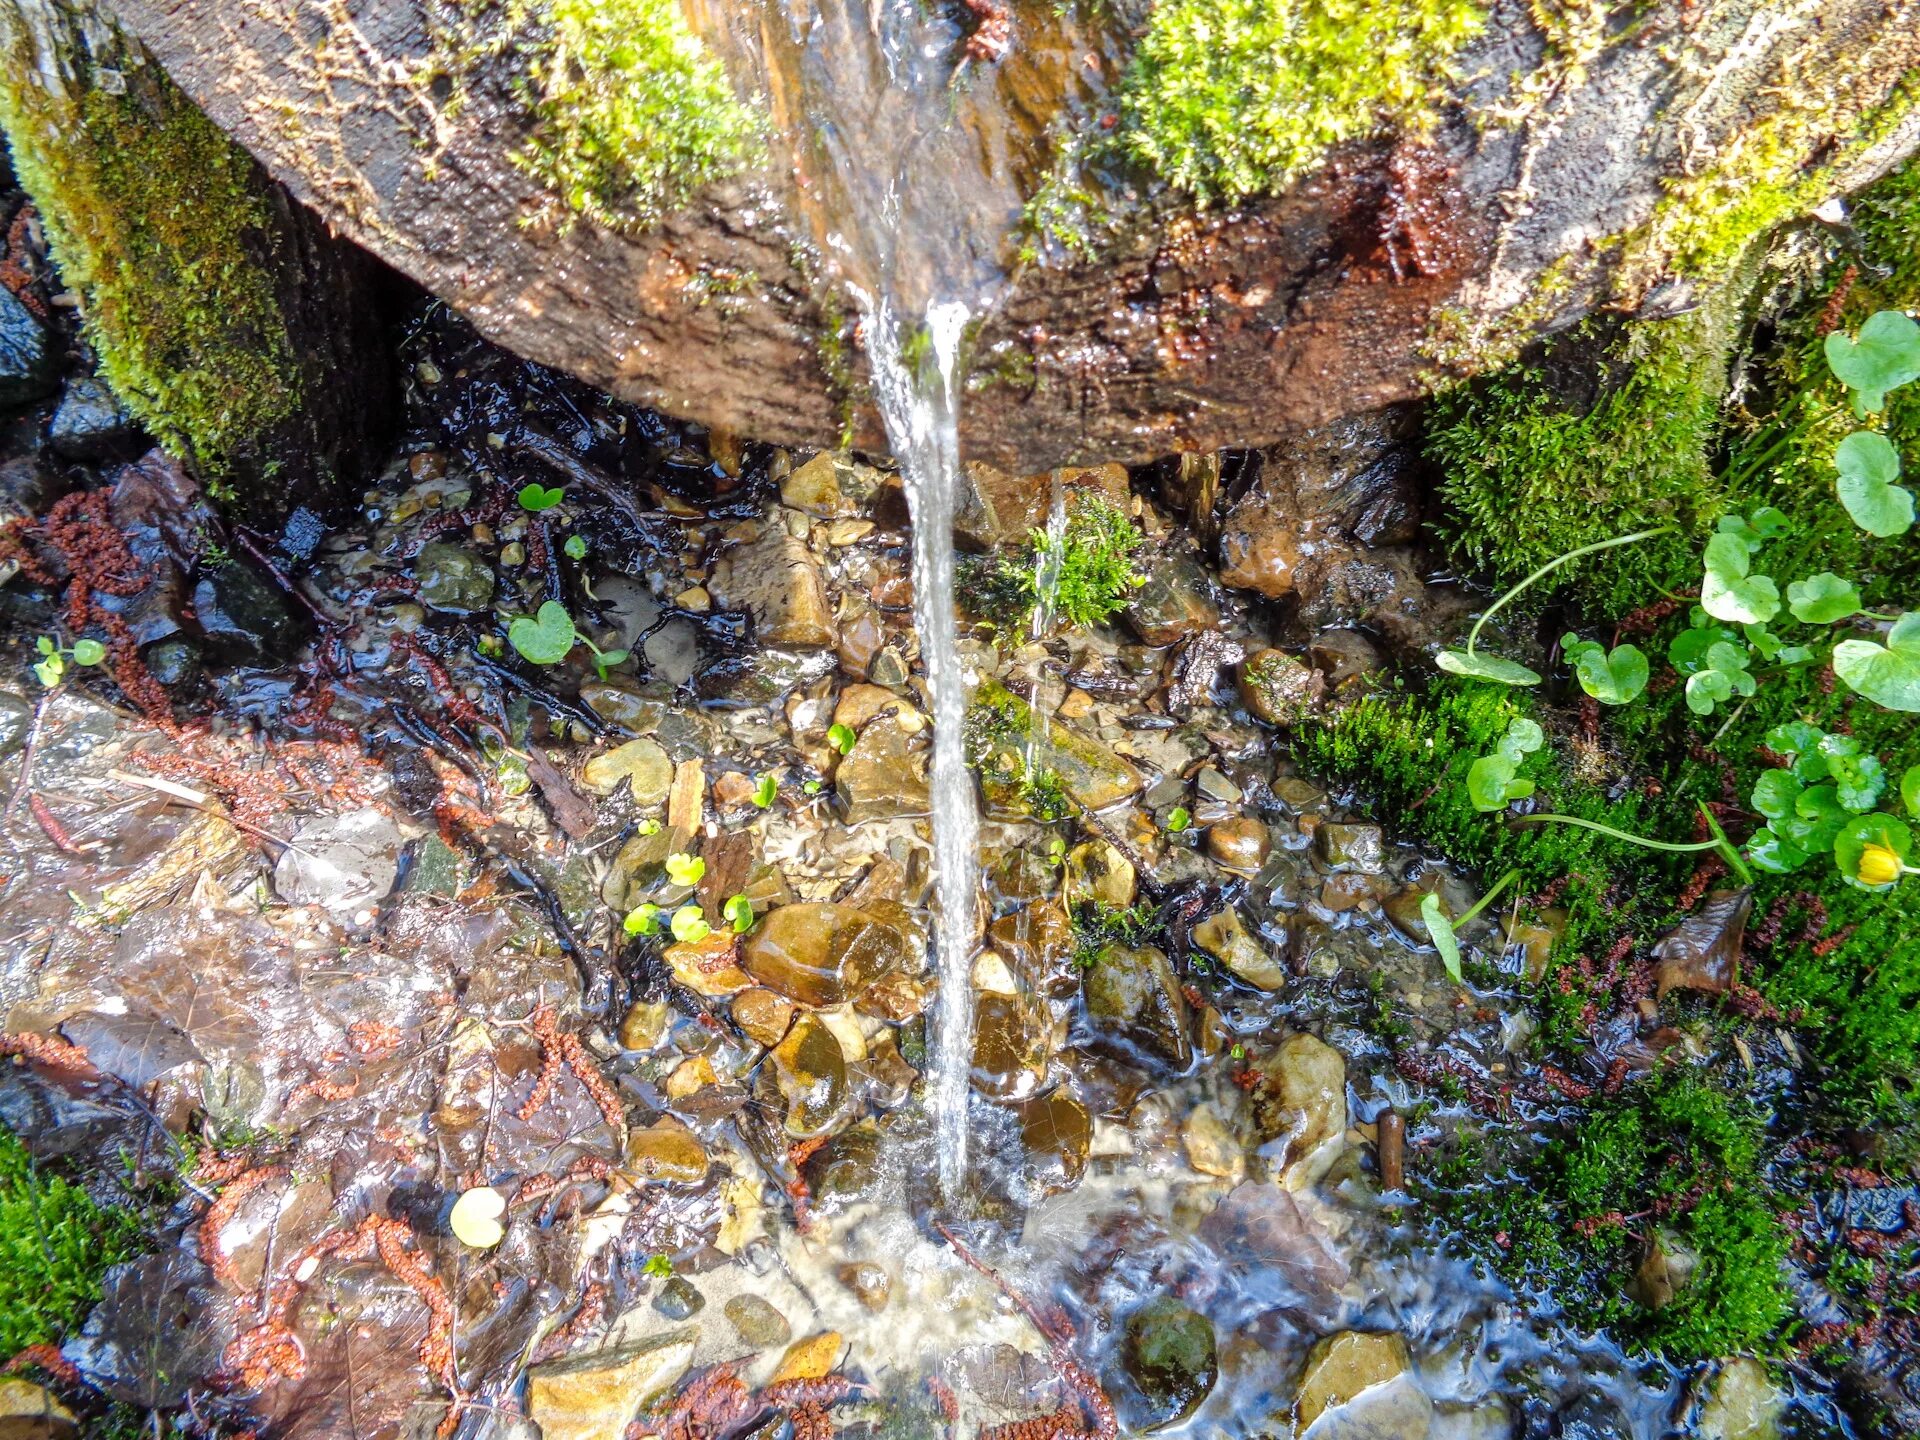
1886	355
1611	678
1707	689
88	652
684	869
1910	789
765	789
1488	779
1868	466
1476	666
1883	831
1822	599
642	920
1523	737
545	638
576	547
536	497
739	913
1888	675
1729	592
1791	738
1858	781
689	926
1774	793
1441	930
1770	852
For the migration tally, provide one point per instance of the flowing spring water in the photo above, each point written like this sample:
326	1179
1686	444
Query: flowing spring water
920	405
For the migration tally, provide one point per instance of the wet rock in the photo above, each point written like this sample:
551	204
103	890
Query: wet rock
708	967
679	1299
593	1396
1173	604
1301	1097
1703	951
667	1152
1057	1131
773	577
1211	1146
1240	845
643	1025
450	580
1091	773
16	718
621	707
1360	848
244	619
882	777
641	763
174	663
90	425
1020	876
30	1412
822	954
810	1359
1664	1271
1592	1416
1039	941
846	1170
1010	1039
1133	996
1742	1403
833	486
1279	688
1345	657
897	997
809	1070
340	861
764	1016
871	1285
29	368
1098	873
1224	935
1363	1384
1167	1353
758	1323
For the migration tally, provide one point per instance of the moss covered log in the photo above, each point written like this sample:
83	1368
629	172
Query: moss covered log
223	320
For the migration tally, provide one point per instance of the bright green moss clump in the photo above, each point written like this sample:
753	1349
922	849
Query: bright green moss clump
159	223
631	112
55	1244
1231	98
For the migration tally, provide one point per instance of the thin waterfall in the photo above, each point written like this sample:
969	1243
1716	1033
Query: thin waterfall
920	405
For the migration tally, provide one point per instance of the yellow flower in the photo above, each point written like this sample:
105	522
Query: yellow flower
1878	865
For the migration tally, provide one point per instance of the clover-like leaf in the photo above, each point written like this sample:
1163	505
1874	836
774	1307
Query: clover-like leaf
1440	928
1491	783
1688	650
642	920
1792	738
1476	666
575	548
1885	356
739	913
544	638
50	670
689	926
45	645
1868	466
765	789
1769	851
841	737
1729	592
1775	792
1822	599
1707	689
536	497
88	652
1889	674
684	869
1858	781
1612	678
1871	851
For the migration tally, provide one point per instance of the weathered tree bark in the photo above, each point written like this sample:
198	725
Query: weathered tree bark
1585	158
228	321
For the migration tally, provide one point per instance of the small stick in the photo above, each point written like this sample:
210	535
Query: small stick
198	800
26	758
1392	1149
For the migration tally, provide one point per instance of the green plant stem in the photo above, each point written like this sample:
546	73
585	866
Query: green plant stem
1595	825
1488	898
1473	635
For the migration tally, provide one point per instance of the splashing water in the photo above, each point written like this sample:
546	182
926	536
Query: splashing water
921	408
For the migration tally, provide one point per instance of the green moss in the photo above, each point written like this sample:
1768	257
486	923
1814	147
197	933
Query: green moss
1231	98
159	224
55	1244
1081	577
630	112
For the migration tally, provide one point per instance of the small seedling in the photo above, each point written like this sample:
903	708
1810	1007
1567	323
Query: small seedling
841	737
660	1267
647	827
1178	819
766	788
812	787
1492	780
51	668
738	912
1445	934
537	497
642	920
1612	677
684	869
689	926
1237	1051
548	637
575	548
1057	849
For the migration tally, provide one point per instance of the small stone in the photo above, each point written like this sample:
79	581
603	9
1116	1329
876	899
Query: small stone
1666	1269
341	862
641	763
708	967
30	1412
686	798
871	1285
90	425
690	1077
774	578
1167	1351
622	708
513	555
822	954
593	1396
833	486
1363	1383
173	663
889	668
1099	873
694	598
1010	1039
643	1025
244	619
1742	1404
448	579
757	1321
1240	845
1133	995
1211	1146
667	1152
1279	688
1040	943
679	1299
1173	604
883	776
732	790
1092	773
29	365
1301	1097
809	1071
1353	847
1057	1132
764	1016
811	1359
1077	705
1345	657
848	532
1224	935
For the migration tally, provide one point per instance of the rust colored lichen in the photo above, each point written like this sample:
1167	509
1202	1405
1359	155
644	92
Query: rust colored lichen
51	1053
222	1211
